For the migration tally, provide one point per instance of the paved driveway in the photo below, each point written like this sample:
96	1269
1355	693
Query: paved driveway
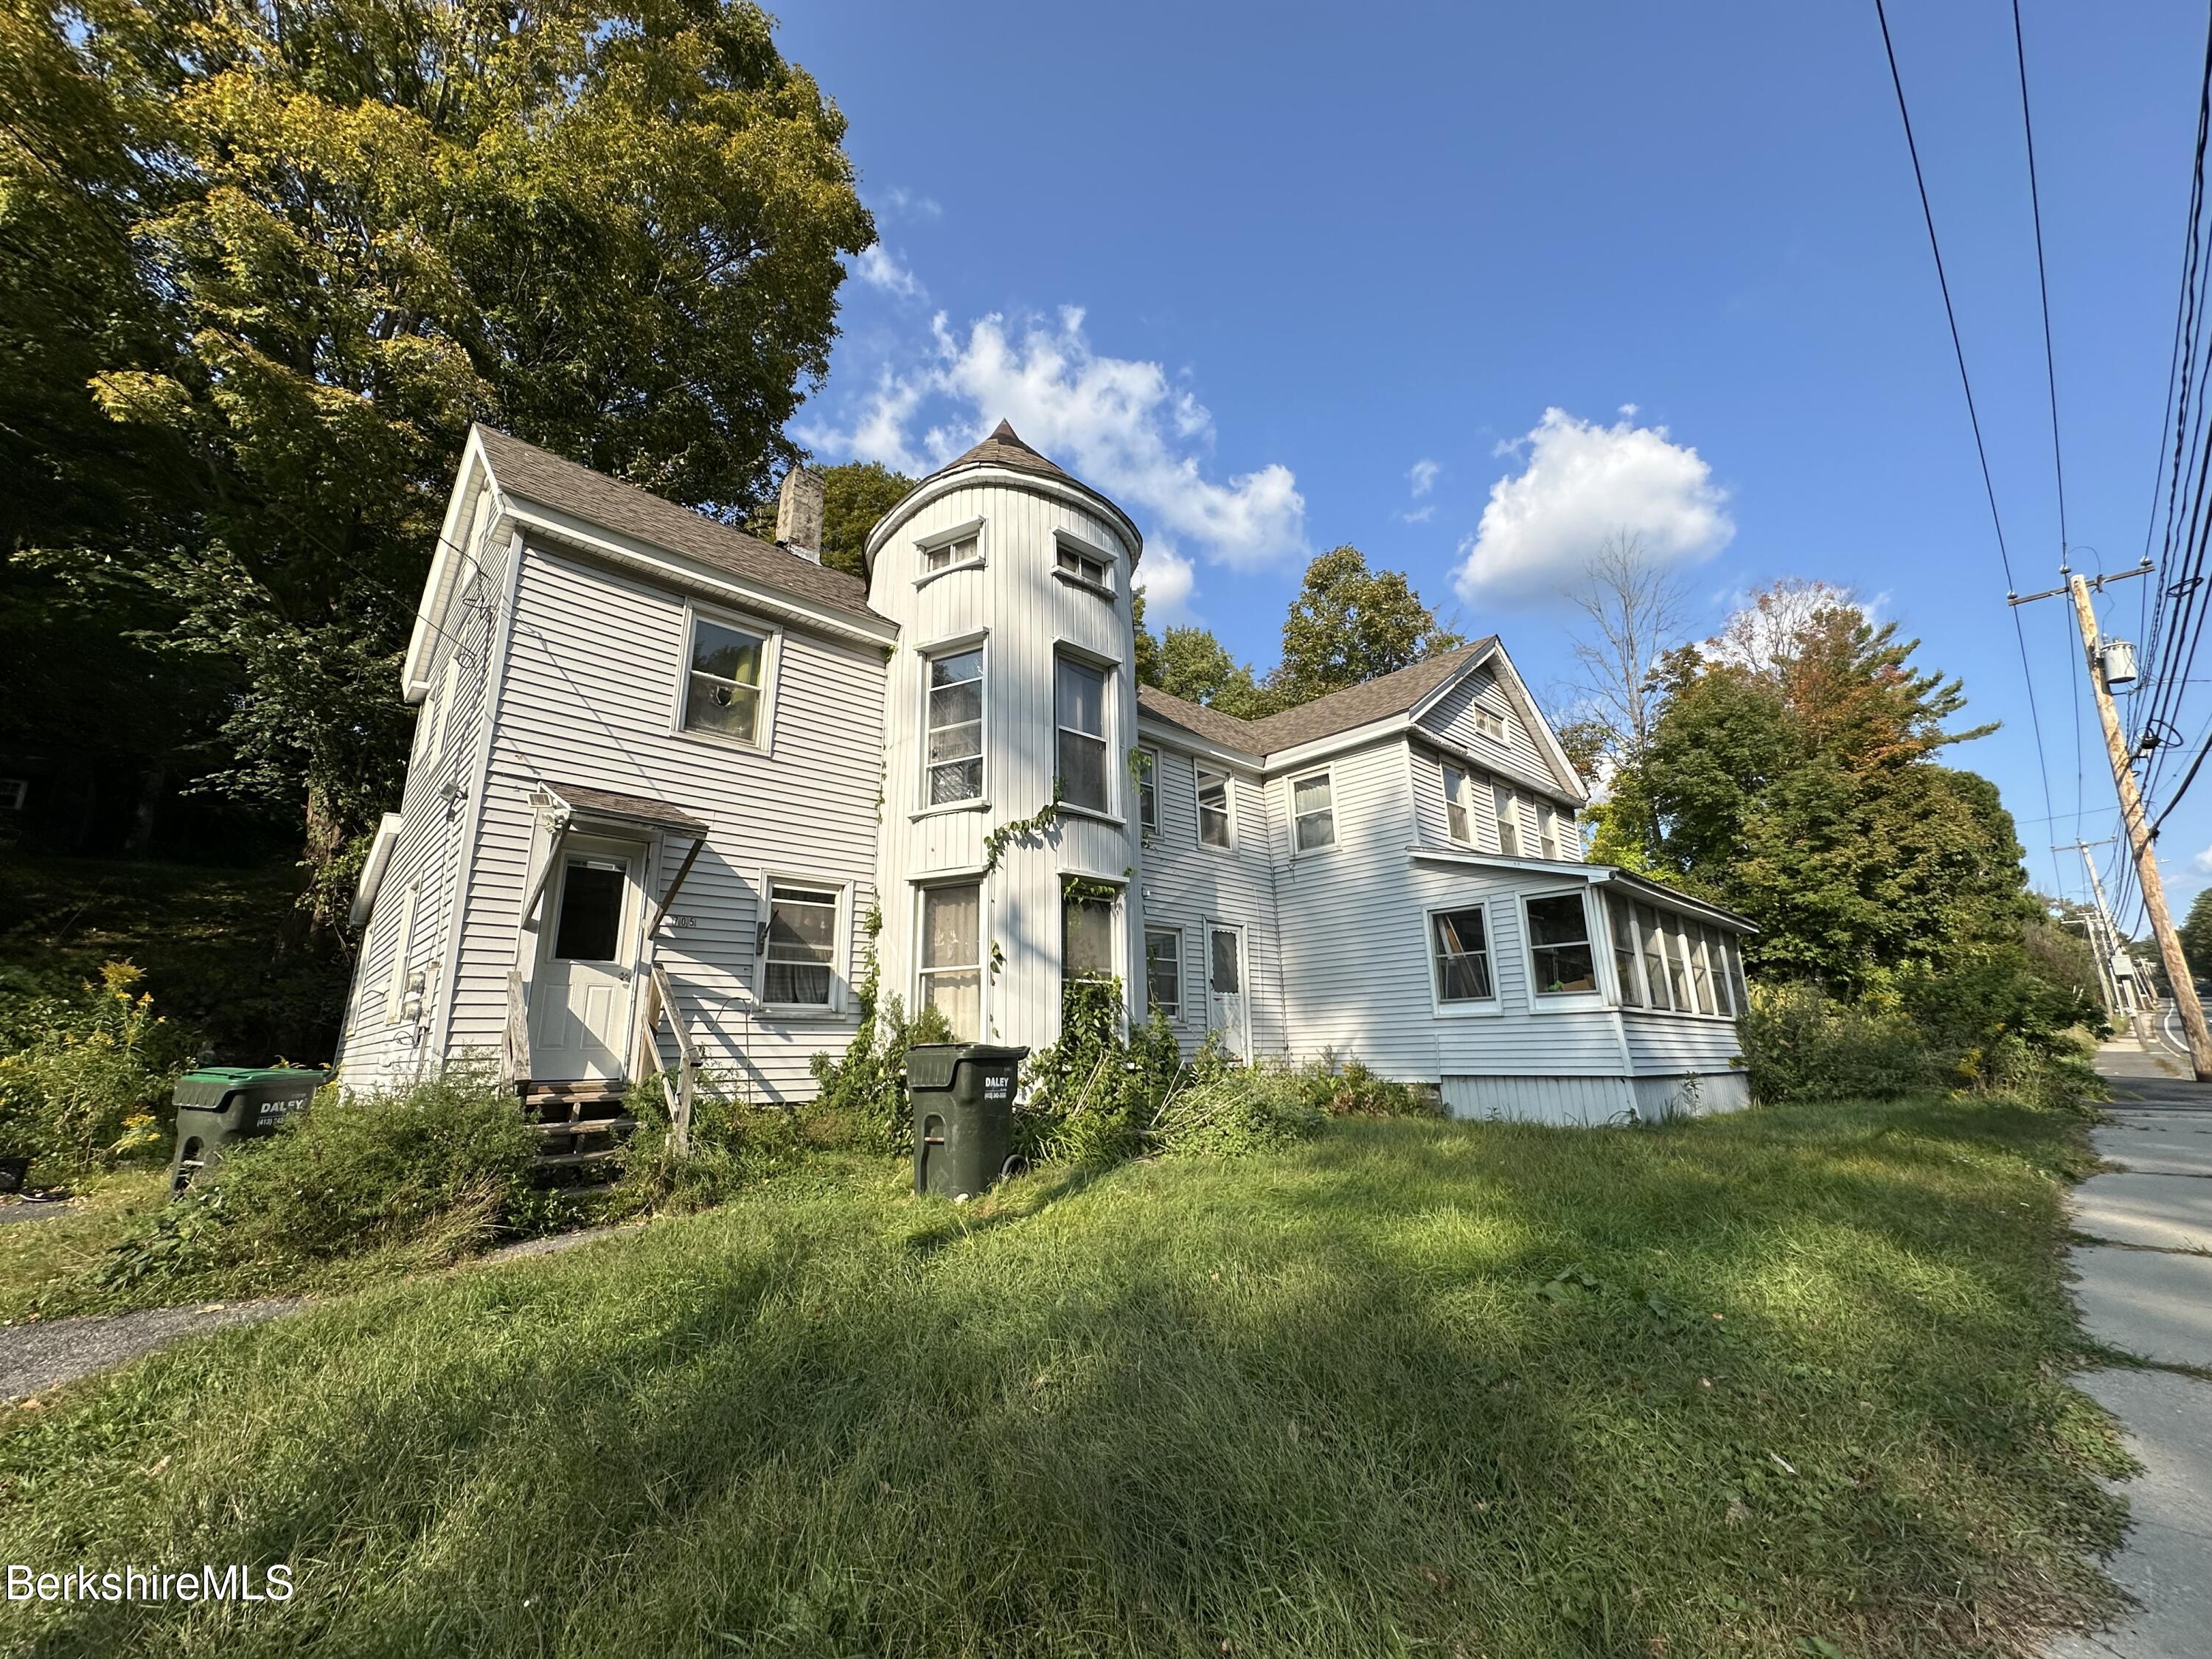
2146	1289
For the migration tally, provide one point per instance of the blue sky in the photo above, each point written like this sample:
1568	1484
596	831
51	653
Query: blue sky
1250	267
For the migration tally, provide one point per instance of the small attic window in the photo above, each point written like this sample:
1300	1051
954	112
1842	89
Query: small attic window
1087	568
946	554
950	550
1492	724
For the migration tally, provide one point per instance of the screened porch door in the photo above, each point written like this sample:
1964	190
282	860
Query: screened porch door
1225	982
581	1001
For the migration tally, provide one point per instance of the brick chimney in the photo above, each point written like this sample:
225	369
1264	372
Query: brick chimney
798	513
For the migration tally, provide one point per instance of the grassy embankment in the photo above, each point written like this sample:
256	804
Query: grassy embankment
1790	1382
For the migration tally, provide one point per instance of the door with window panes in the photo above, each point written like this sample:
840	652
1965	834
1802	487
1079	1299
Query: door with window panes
580	1001
1228	1010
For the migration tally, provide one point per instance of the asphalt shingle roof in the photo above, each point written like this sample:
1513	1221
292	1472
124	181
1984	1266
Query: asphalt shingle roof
544	477
1324	717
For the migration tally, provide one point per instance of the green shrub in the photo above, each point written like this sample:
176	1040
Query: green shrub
439	1169
1802	1044
1250	1108
734	1143
89	1078
1350	1090
865	1087
1091	1098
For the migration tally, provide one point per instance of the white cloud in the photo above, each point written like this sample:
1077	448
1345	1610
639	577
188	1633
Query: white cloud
1421	514
1422	475
2203	861
1168	579
1118	423
879	268
1581	484
900	203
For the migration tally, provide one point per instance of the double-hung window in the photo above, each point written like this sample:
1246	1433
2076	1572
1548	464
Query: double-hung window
1507	805
951	956
723	693
1086	567
1560	945
955	721
1213	807
1622	921
1313	812
1164	971
1086	935
799	953
1548	830
1148	788
1460	944
1079	702
1459	805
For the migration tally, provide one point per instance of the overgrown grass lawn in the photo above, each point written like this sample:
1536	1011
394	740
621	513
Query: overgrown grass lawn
1800	1390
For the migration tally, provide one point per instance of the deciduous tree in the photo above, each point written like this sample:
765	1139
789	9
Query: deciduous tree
1349	625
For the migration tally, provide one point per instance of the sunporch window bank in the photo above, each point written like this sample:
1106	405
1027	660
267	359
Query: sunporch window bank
661	761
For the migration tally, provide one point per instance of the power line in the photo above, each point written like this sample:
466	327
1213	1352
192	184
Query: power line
2042	280
1973	417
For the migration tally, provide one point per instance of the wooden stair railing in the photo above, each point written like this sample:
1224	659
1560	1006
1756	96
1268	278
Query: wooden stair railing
661	999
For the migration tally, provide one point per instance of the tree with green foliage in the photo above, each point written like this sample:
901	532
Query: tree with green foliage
1349	625
355	227
2196	935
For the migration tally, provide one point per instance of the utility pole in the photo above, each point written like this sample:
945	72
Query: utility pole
2105	944
2133	820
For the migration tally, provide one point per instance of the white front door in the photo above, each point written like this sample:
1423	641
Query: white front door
579	1003
1225	984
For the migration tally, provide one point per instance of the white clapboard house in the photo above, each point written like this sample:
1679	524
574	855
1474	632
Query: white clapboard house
673	785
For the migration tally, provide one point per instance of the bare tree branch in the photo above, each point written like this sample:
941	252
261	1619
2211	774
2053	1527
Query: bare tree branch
1634	609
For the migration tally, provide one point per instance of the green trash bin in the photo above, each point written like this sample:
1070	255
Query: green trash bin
963	1095
218	1106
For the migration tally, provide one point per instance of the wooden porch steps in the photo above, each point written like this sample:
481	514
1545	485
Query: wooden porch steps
581	1127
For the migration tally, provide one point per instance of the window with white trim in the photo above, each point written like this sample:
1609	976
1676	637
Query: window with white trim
1492	724
1655	960
950	969
1678	969
1734	947
1716	951
726	679
953	728
1164	971
1701	974
1313	812
1079	714
14	791
1459	805
1507	806
426	725
1621	920
1213	808
960	550
1086	923
1560	945
1148	788
1086	567
1547	829
1459	944
798	964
